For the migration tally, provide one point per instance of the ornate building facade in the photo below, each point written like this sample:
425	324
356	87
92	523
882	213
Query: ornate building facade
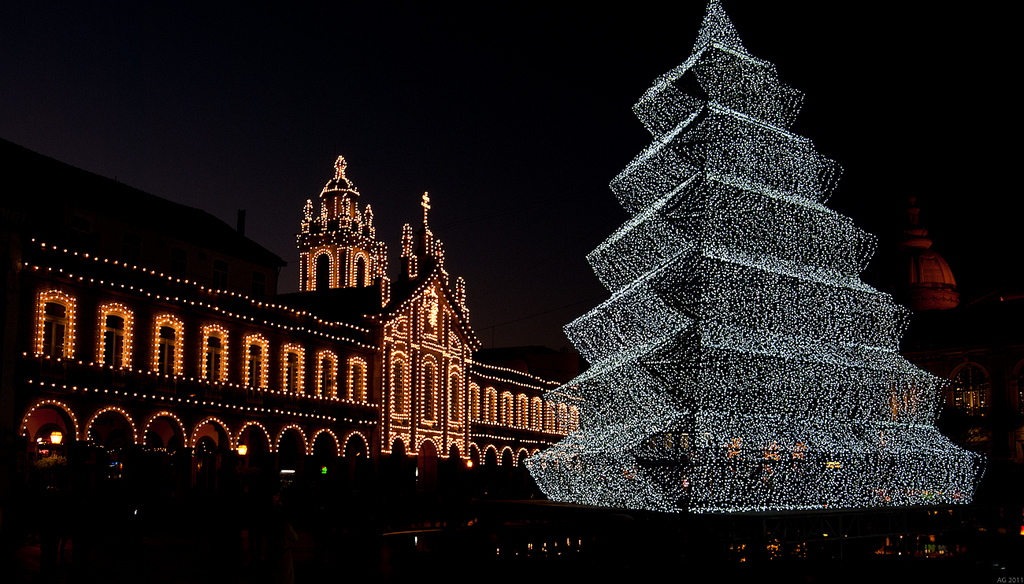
149	347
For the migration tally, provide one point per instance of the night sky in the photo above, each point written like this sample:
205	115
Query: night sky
514	116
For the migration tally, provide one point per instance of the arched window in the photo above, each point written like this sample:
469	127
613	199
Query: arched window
256	348
215	353
360	271
55	324
970	390
112	346
522	410
474	401
506	408
399	392
327	374
115	342
293	368
491	405
55	329
429	393
454	403
167	335
357	379
535	413
549	417
323	272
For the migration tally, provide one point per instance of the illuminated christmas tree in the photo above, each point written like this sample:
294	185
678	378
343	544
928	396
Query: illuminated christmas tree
741	363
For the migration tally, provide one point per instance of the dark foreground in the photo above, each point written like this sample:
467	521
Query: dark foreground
529	541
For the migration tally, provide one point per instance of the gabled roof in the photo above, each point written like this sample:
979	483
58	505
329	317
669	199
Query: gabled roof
403	292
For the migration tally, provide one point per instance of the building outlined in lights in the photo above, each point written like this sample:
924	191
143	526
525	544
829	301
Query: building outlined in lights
149	344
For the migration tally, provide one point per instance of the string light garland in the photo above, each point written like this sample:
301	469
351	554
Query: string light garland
134	395
740	363
44	247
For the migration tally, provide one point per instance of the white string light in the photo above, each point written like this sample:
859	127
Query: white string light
740	363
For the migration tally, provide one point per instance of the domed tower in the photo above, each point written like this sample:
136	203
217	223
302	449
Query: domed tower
929	283
338	248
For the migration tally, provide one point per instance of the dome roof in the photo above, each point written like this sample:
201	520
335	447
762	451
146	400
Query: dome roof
929	283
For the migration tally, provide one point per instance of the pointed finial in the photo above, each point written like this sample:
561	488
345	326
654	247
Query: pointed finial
339	168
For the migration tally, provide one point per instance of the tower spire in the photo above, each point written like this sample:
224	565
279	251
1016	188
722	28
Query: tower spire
339	248
425	203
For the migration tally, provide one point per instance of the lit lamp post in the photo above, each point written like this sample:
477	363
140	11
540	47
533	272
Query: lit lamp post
56	437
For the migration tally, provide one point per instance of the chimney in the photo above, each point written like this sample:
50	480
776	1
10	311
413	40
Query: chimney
240	225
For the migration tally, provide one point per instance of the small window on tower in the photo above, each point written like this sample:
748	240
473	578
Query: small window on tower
323	272
360	272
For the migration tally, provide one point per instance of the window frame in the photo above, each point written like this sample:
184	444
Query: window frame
250	378
217	331
178	343
105	311
67	347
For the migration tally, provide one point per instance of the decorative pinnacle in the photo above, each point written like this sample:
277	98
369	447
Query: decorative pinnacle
340	182
339	168
425	203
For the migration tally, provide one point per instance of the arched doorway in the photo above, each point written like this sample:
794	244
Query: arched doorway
324	459
489	477
358	468
291	454
258	455
111	430
426	467
164	461
212	458
48	430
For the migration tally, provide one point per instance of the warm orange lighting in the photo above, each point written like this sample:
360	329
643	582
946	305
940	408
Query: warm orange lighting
242	449
469	464
56	437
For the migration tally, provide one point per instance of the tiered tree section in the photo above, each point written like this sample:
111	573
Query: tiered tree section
741	363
